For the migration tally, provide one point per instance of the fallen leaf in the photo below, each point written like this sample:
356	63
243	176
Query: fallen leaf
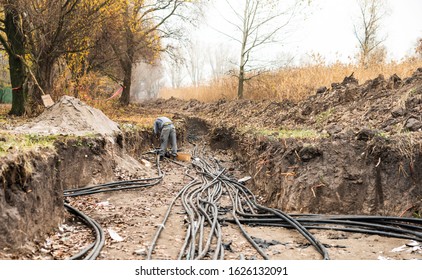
114	235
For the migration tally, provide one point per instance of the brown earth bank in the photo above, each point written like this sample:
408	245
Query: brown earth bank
31	196
89	150
381	105
350	149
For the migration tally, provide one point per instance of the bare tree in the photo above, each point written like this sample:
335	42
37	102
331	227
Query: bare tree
368	28
175	71
220	60
147	80
418	48
256	24
194	62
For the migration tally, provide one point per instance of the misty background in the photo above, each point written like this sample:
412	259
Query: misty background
317	31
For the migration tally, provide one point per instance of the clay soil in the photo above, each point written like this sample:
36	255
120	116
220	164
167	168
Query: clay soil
347	110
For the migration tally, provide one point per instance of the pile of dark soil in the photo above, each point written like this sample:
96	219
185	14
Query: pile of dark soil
392	105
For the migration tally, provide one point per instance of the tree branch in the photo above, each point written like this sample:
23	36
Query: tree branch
31	73
6	46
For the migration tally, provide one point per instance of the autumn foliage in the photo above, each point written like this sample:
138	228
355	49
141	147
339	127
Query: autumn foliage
70	39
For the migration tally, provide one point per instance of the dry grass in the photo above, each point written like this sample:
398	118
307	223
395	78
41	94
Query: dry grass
223	88
288	83
4	109
130	114
292	83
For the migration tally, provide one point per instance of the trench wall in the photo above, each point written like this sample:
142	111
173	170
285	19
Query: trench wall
32	183
336	175
30	201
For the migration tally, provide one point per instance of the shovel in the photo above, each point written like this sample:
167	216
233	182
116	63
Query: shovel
46	98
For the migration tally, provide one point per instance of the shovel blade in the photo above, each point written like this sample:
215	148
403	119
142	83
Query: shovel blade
47	100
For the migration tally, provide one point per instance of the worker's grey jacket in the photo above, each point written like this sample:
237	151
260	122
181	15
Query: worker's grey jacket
159	124
164	127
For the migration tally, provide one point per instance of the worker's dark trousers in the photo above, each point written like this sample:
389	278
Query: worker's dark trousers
168	133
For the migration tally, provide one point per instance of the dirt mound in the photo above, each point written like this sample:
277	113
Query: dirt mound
70	116
391	105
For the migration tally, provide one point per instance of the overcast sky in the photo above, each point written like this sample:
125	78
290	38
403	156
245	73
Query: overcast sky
327	29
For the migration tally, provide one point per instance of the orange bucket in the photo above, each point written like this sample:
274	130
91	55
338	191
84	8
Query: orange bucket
183	157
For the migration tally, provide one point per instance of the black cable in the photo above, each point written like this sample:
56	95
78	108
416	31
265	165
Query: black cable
93	250
99	233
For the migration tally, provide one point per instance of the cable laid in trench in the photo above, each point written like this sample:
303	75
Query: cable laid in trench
405	228
92	251
118	185
200	200
166	215
198	203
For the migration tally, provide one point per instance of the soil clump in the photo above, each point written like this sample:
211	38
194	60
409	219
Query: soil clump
70	116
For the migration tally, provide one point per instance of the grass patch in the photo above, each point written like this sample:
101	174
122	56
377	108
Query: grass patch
131	114
300	133
24	142
289	133
143	122
324	116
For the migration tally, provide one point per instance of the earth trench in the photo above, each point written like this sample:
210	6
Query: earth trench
343	176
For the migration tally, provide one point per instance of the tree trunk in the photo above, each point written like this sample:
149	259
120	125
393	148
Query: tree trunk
241	83
127	82
16	66
44	76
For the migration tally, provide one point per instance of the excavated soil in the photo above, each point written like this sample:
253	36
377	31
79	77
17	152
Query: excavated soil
70	116
351	149
361	154
390	105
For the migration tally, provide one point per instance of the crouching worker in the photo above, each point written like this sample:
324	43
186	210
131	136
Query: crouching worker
164	128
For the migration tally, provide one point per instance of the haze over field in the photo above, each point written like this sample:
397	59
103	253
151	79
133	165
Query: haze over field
326	27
